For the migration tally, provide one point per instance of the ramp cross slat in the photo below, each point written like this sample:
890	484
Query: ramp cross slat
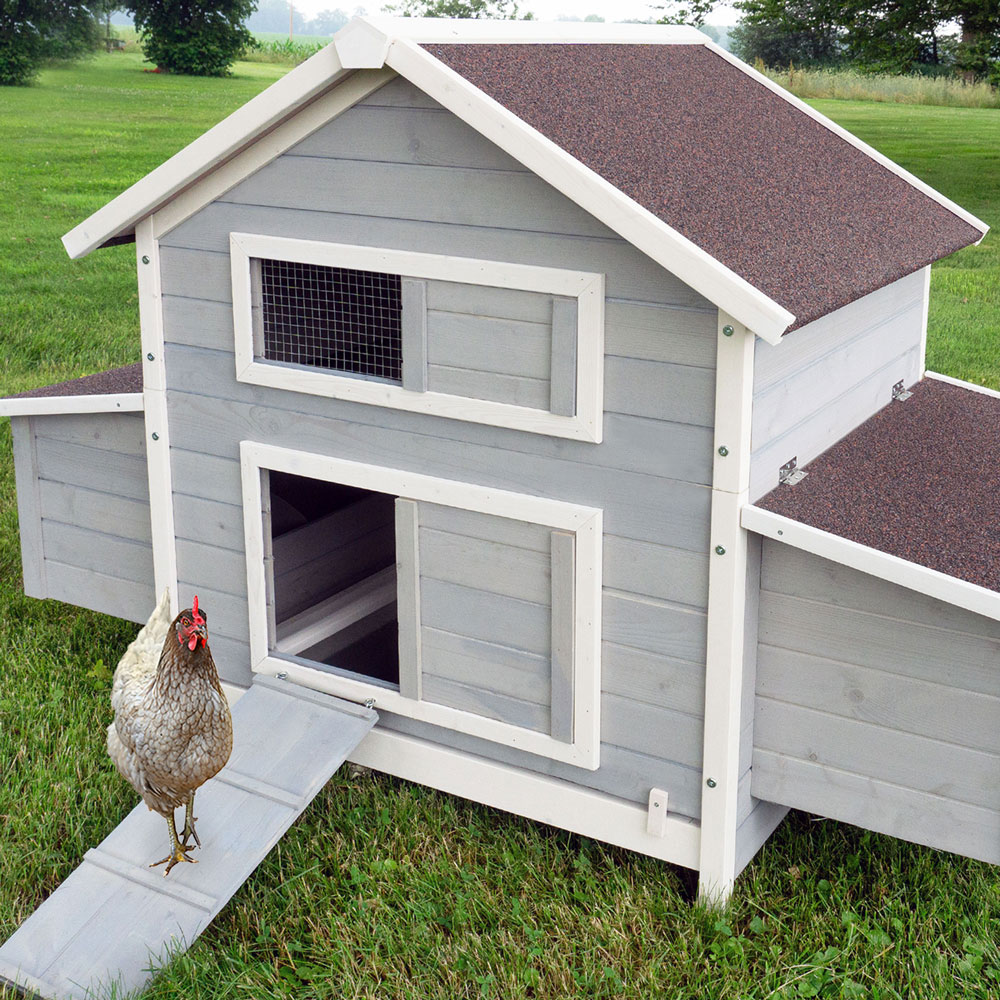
114	919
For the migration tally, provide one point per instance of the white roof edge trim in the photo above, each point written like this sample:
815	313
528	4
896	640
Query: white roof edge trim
971	386
472	31
653	237
214	147
931	582
36	406
842	133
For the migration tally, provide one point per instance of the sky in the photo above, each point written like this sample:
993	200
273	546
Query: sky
544	10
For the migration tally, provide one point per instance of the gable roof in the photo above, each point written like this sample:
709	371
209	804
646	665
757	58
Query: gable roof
701	163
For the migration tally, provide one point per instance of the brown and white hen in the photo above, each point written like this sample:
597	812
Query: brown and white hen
172	728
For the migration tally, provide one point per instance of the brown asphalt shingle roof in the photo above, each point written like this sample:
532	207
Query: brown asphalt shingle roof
116	380
919	480
801	214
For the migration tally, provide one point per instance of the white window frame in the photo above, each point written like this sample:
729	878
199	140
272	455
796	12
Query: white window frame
586	287
585	523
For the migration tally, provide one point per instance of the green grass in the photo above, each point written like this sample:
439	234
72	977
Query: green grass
384	889
850	84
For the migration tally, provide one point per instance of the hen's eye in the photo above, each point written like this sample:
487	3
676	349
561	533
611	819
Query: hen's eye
185	621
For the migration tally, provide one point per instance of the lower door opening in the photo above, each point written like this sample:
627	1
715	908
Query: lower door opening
332	579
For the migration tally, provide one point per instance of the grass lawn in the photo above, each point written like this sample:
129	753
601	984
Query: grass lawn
385	889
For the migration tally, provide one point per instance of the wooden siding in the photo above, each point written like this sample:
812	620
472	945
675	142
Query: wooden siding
822	381
650	475
877	706
83	503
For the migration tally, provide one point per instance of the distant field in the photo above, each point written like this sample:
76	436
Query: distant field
390	890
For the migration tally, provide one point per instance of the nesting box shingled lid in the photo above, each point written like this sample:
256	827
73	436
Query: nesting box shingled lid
920	480
773	194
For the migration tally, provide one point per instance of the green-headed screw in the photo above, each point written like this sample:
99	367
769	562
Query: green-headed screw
156	437
727	331
145	259
720	550
723	450
711	782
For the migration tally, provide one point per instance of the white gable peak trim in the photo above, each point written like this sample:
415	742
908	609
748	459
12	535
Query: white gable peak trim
931	582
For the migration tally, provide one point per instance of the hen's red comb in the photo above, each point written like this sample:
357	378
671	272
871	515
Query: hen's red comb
197	617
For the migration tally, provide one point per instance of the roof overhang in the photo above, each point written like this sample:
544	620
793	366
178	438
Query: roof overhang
373	43
35	406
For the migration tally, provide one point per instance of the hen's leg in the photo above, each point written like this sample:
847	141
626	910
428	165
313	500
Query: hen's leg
177	851
189	821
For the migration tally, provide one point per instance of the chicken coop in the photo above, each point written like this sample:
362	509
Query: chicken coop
560	392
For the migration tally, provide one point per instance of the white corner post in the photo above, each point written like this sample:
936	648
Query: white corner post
154	386
726	607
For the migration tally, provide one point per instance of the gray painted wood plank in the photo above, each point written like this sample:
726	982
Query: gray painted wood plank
636	505
485	565
209	477
921	651
892	701
486	300
563	623
123	433
502	199
486	702
508	671
675	632
756	828
72	942
476	525
408	570
97	591
563	363
487	343
776	363
792	571
668	574
95	550
232	657
218	569
324	536
629	274
654	331
413	322
219	523
653	679
931	820
678	393
427	136
400	93
682	452
512	389
873	751
94	510
651	730
822	428
482	615
93	468
29	506
623	774
779	408
228	612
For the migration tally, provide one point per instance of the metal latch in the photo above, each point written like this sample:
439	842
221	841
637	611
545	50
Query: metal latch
790	473
900	392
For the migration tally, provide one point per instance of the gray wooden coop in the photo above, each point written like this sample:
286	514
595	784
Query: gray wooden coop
479	378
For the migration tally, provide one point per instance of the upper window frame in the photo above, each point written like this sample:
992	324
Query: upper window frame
587	288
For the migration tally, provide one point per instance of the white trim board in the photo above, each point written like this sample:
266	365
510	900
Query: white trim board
587	288
534	796
585	523
971	386
36	406
868	560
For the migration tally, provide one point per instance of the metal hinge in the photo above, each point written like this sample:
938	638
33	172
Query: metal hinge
900	392
790	473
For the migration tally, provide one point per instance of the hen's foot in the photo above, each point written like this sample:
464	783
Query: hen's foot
189	821
178	855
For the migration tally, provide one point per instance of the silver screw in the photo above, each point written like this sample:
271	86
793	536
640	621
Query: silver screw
727	331
145	259
723	451
710	782
720	550
281	675
156	437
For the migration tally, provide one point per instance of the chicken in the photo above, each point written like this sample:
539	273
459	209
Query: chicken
172	728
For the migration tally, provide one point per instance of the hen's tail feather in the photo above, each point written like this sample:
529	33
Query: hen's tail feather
138	664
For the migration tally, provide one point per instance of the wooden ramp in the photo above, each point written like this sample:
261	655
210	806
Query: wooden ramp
114	917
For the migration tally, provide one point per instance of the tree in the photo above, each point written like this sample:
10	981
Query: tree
198	37
34	30
779	32
503	10
691	12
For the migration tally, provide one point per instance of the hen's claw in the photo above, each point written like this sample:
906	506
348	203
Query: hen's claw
172	859
189	822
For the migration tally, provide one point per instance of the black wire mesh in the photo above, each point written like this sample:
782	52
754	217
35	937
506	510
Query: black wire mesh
332	317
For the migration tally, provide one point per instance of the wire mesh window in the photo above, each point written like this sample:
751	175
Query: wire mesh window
332	317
